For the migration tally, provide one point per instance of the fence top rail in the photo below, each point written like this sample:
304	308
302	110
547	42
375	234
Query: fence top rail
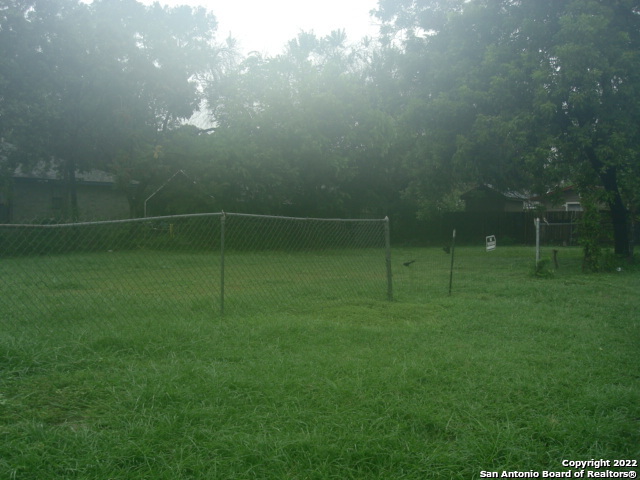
192	215
107	222
251	215
551	224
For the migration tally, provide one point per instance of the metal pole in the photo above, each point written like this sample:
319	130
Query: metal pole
453	250
387	241
537	223
160	188
222	221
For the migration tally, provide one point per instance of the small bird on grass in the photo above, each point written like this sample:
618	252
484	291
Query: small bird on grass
406	264
446	249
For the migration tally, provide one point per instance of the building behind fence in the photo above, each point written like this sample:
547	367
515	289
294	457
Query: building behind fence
187	265
510	228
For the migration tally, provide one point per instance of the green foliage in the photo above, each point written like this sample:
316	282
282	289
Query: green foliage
590	231
521	95
542	269
303	134
97	86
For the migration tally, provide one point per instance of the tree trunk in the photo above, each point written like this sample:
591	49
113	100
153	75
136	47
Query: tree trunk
72	191
135	196
620	228
617	210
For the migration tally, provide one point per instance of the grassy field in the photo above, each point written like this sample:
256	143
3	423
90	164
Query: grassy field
141	378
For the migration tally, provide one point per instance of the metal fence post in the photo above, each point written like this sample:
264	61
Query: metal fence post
222	221
387	241
537	223
453	251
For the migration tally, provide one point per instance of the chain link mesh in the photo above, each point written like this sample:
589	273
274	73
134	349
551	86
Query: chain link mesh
137	271
294	263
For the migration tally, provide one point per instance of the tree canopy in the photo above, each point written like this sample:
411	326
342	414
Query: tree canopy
523	94
84	84
520	95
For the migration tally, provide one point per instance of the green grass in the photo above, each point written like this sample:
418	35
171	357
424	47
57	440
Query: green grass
510	372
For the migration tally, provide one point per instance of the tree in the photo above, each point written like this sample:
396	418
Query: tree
310	135
90	84
594	84
523	94
46	63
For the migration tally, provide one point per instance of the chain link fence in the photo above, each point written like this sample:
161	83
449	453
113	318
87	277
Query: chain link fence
143	270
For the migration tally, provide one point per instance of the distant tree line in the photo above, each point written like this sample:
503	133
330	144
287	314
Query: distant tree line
521	95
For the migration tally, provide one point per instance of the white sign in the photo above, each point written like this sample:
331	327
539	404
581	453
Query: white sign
491	243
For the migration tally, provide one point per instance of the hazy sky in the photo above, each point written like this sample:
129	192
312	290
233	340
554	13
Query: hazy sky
267	25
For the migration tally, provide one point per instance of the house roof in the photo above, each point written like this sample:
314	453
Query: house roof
509	194
555	191
46	172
